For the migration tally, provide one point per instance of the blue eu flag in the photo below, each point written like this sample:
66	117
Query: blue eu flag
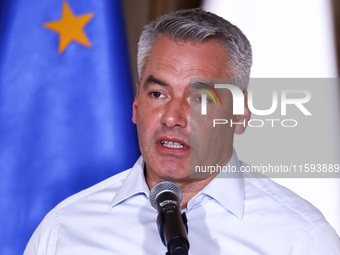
65	107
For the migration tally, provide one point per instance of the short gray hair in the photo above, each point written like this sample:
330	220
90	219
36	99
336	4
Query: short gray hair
198	26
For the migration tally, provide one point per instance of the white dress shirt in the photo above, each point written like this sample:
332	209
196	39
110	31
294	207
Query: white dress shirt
236	216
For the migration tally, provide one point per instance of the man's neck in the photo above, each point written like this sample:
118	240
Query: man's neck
189	186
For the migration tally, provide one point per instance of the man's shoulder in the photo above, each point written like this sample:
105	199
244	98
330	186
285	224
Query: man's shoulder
94	200
295	217
283	200
103	190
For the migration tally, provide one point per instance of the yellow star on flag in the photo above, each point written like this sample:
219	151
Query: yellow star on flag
70	28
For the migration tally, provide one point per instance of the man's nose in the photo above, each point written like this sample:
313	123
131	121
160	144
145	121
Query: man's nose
176	113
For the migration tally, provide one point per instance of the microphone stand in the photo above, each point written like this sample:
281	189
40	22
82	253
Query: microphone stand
161	226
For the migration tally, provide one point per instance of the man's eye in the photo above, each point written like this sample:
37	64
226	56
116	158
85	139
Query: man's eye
156	94
196	99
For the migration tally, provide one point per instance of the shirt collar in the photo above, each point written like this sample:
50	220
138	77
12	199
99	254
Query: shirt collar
228	191
133	184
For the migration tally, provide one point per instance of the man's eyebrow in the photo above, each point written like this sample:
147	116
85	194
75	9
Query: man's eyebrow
152	80
198	85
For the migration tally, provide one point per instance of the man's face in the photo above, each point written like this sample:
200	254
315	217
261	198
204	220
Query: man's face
161	109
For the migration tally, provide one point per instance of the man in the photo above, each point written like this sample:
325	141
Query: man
225	215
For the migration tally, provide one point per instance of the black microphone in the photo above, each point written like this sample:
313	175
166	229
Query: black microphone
166	198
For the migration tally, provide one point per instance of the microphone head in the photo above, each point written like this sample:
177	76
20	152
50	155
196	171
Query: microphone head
164	186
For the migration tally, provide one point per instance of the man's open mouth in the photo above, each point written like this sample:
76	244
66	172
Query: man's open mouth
171	144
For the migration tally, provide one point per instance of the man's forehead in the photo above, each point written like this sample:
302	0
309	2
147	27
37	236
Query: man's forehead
151	79
154	80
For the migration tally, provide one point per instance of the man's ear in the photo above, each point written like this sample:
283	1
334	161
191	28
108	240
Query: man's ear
135	104
244	118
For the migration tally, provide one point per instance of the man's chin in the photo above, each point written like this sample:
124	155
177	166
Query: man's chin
173	173
170	171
